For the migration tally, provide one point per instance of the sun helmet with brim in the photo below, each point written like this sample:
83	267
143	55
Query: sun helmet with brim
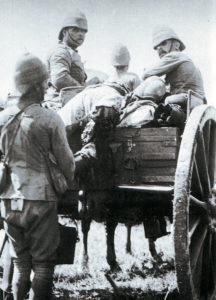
74	19
163	33
29	71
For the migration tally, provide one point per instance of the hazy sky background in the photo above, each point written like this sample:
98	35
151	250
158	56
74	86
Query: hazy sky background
33	25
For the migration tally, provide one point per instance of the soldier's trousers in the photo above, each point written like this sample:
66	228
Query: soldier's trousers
33	239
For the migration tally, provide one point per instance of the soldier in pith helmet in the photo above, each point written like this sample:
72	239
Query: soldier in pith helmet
64	62
120	60
180	72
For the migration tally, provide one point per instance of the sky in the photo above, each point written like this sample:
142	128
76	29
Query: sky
33	26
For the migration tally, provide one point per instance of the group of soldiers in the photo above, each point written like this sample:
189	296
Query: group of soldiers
29	131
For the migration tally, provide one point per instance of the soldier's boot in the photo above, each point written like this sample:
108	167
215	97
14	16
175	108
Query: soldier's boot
21	279
41	287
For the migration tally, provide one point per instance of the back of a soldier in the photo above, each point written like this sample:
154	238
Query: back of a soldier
39	126
130	79
28	201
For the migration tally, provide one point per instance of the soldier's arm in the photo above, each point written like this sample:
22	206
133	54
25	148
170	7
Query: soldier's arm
60	70
61	149
166	64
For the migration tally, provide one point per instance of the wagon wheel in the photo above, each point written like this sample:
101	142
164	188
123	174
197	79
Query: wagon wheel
194	208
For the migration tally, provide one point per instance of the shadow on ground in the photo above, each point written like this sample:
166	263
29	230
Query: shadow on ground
124	294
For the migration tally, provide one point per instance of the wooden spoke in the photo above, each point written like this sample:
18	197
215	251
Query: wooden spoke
194	202
213	258
197	185
206	135
202	164
197	273
196	245
194	223
212	154
206	269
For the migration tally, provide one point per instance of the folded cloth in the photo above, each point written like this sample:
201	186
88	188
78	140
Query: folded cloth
137	113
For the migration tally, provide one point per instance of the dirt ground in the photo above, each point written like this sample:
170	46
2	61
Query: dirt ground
140	276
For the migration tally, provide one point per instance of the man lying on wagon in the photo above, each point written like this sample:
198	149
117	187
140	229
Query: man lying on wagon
91	116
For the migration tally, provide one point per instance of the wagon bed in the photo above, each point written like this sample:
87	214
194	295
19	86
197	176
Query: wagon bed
181	169
145	159
175	171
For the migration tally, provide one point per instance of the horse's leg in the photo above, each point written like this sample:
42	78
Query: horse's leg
110	234
85	225
128	245
152	247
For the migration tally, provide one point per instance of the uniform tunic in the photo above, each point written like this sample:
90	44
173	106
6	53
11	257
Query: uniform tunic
130	79
65	67
29	174
33	229
180	71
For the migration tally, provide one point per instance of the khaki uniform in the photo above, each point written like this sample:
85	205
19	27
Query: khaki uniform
29	174
77	114
83	104
180	71
65	67
29	203
130	79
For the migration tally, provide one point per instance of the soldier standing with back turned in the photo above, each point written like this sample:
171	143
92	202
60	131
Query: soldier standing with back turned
29	201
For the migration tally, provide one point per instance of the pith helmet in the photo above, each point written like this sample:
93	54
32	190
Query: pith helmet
74	19
29	70
153	86
163	33
120	55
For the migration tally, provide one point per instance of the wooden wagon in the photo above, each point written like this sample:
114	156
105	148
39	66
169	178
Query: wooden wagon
174	173
178	171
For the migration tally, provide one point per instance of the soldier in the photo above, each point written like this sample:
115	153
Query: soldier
64	63
181	73
120	60
29	201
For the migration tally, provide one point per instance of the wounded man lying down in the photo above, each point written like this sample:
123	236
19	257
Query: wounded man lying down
91	114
